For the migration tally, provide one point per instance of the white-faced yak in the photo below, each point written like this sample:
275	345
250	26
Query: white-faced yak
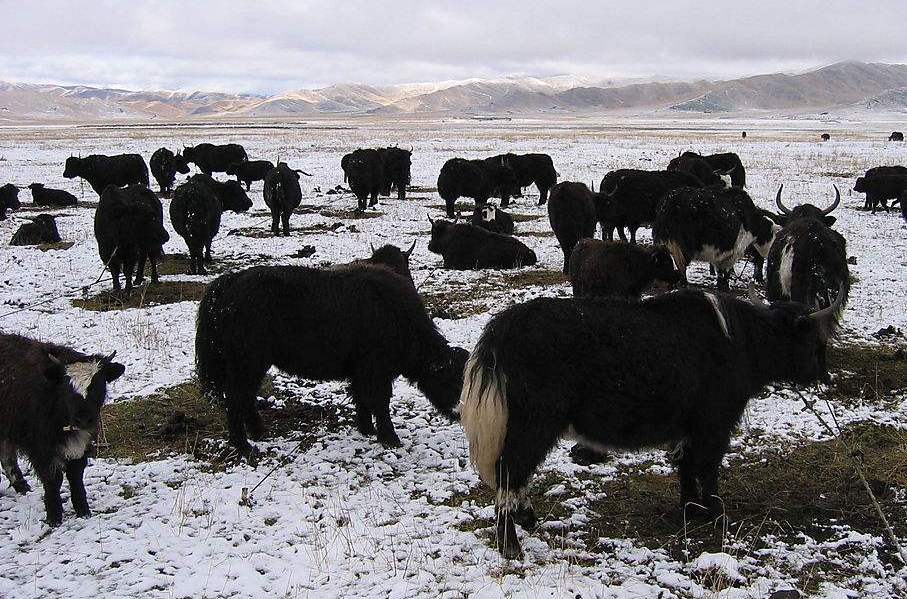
361	323
50	405
675	370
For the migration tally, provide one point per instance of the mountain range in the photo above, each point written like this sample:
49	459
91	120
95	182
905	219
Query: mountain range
842	86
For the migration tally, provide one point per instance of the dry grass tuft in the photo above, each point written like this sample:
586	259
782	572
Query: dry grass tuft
148	294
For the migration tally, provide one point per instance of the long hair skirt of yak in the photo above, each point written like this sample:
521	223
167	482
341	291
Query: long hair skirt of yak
363	324
674	370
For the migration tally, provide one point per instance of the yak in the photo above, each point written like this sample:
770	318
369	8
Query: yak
396	165
807	262
571	213
129	228
825	137
465	247
362	323
230	194
729	164
164	167
195	215
42	229
282	195
56	198
881	184
247	171
702	169
675	370
390	257
476	179
101	171
615	268
363	169
529	169
493	219
714	226
211	158
50	406
896	136
9	199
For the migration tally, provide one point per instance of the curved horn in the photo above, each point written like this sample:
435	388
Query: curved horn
372	246
430	220
781	206
755	298
302	172
411	148
835	203
831	311
109	357
409	252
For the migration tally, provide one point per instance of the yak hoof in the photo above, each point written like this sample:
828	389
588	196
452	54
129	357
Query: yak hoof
526	518
507	541
83	512
586	456
389	440
21	487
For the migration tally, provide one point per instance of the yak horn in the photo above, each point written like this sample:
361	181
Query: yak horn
430	220
409	252
781	206
109	357
835	203
755	298
372	246
302	172
831	311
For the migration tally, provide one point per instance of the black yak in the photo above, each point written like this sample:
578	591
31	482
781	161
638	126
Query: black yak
195	215
50	405
9	199
571	213
880	185
129	228
282	195
807	262
363	169
529	169
211	158
675	370
361	323
825	137
465	247
476	179
699	167
714	226
101	171
396	165
896	136
602	268
247	171
164	167
230	194
493	219
390	257
729	164
56	198
42	229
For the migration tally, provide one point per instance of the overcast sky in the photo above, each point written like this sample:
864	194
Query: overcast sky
272	46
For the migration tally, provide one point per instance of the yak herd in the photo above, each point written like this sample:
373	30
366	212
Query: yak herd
580	367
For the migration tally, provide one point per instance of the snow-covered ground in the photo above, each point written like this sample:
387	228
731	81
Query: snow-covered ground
347	518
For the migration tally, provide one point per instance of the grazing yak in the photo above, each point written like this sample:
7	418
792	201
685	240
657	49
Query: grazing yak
702	169
129	228
361	323
9	199
363	169
230	194
465	247
881	184
896	136
675	370
476	179
396	163
571	213
195	215
826	137
101	171
714	226
282	195
164	167
493	219
248	171
807	262
529	169
630	198
211	158
50	406
56	198
616	268
42	229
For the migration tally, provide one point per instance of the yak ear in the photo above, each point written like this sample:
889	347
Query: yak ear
112	370
830	220
54	370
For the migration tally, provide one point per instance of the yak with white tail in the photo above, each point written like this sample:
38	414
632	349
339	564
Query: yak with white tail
587	369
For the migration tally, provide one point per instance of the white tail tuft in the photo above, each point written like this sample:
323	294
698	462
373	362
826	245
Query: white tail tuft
483	414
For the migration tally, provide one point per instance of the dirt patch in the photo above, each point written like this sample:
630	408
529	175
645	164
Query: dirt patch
149	294
867	373
522	218
178	264
534	278
350	214
454	303
459	207
60	245
534	233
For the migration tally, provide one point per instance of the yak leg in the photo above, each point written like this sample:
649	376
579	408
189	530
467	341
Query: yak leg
285	220
379	398
543	194
632	229
758	266
364	422
140	269
74	474
275	221
52	480
724	279
706	451
248	186
128	267
401	191
152	258
252	419
621	234
374	199
115	273
198	259
208	250
11	468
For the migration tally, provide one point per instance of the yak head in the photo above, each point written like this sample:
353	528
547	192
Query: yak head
804	211
189	153
860	185
9	199
442	380
49	232
80	389
180	164
234	197
393	258
73	168
442	233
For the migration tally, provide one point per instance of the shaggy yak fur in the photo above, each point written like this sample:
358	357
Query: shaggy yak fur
230	194
129	228
571	213
390	257
282	195
247	171
675	370
57	198
50	404
363	169
195	215
363	324
465	247
211	158
730	164
476	179
881	184
101	171
601	268
42	229
9	199
699	167
164	167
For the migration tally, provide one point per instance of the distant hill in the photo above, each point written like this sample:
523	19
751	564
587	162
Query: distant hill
846	86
